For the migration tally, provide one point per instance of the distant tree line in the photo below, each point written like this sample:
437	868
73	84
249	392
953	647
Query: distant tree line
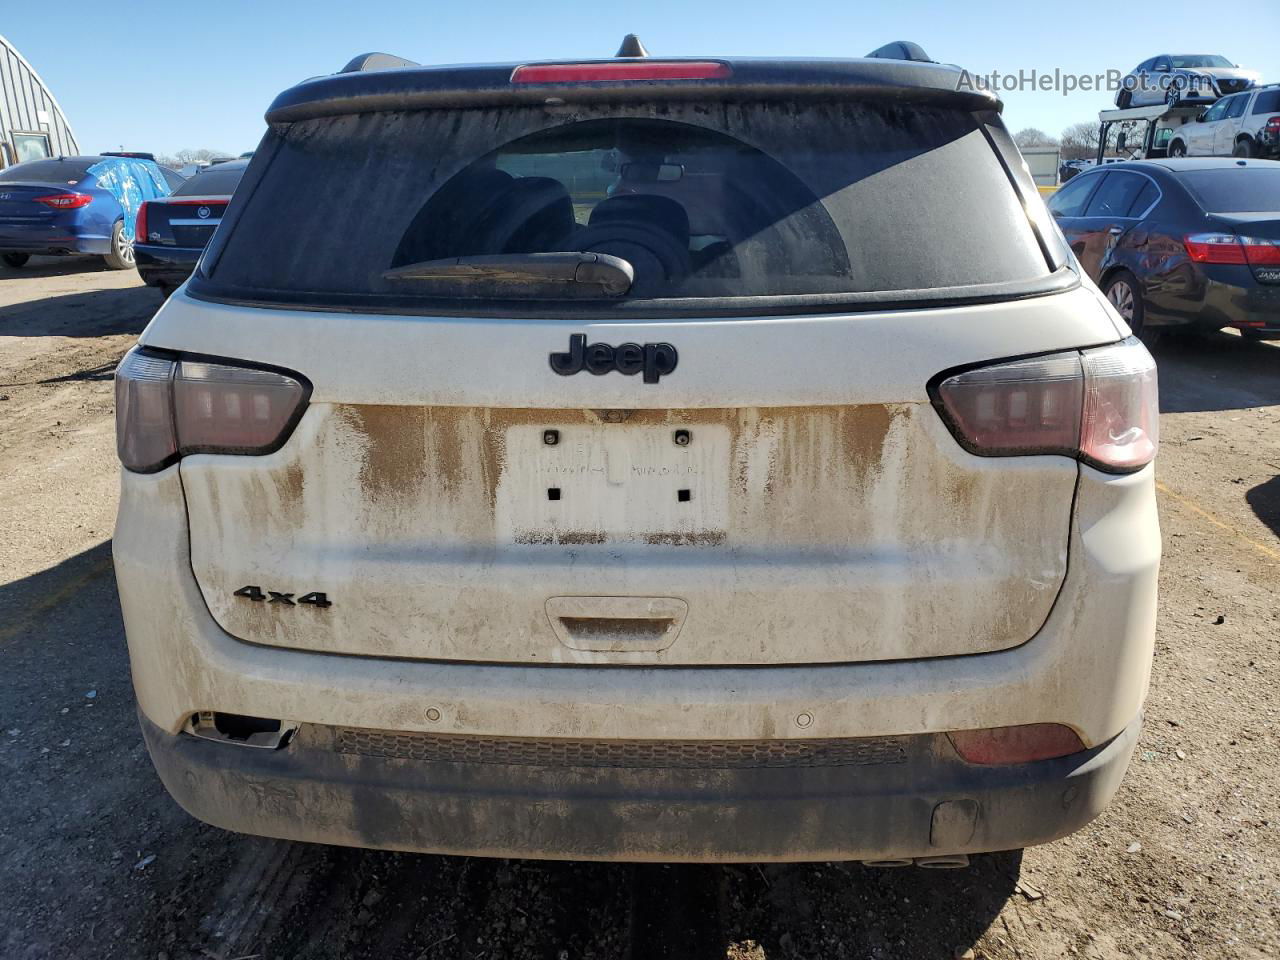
1077	142
183	157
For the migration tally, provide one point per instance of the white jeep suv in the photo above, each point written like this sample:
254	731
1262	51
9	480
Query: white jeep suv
640	459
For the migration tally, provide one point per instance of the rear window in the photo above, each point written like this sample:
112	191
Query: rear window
1268	101
47	171
705	201
212	183
1235	190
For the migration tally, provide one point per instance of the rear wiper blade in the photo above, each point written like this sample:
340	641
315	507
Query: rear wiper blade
567	275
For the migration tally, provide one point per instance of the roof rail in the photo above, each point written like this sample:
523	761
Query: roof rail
631	47
901	50
376	61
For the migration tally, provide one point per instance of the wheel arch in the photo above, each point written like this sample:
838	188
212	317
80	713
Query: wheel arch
1116	267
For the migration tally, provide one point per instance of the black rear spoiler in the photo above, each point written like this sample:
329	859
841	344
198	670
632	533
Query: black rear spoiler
457	87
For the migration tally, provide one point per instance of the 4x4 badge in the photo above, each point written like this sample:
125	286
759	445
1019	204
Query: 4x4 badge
653	359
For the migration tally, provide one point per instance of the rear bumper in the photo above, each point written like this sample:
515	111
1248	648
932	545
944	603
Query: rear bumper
1256	306
49	238
929	802
1086	668
1209	298
165	266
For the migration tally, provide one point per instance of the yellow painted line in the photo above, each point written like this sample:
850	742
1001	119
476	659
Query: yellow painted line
51	600
1196	508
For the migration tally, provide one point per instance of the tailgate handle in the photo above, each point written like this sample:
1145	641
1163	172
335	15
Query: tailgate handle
617	624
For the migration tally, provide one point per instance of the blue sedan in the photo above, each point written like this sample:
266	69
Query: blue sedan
76	205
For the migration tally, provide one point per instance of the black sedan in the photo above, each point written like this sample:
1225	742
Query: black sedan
172	233
1180	244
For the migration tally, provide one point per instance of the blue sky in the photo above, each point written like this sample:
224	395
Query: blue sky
204	77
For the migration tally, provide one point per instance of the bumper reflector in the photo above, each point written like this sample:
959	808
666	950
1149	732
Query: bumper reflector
996	746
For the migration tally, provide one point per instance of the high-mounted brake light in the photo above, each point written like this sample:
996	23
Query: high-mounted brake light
1099	406
66	201
167	408
644	69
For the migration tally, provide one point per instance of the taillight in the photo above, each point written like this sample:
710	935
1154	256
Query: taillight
1021	744
167	408
145	439
1273	125
1099	406
1229	248
1261	253
140	225
1120	426
66	201
1214	248
641	69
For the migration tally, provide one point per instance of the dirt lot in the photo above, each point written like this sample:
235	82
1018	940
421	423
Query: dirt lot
97	862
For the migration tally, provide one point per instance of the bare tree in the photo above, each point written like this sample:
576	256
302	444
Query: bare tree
187	155
1080	141
1033	137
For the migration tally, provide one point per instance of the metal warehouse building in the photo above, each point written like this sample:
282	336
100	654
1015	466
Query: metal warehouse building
31	122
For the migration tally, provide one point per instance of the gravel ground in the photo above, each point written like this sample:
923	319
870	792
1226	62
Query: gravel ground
97	862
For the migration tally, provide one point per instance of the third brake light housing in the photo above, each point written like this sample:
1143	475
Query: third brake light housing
617	71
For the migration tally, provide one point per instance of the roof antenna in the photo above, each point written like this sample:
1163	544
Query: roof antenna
631	47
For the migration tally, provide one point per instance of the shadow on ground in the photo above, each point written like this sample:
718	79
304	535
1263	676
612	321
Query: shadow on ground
99	862
1264	499
92	313
1218	371
55	267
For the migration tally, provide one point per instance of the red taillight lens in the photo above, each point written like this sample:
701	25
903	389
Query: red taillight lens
621	70
1273	124
1021	744
1099	406
140	225
170	408
1227	248
66	201
1214	248
1261	253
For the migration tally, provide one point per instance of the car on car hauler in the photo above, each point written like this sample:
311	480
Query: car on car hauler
640	459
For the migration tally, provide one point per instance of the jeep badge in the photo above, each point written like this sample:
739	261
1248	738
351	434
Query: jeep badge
655	359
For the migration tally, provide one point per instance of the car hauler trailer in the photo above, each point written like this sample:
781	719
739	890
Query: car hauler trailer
1144	131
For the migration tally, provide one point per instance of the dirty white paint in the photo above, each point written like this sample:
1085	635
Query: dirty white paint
616	624
874	357
614	482
1087	666
812	534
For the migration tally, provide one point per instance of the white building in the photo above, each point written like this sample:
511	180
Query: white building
31	122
